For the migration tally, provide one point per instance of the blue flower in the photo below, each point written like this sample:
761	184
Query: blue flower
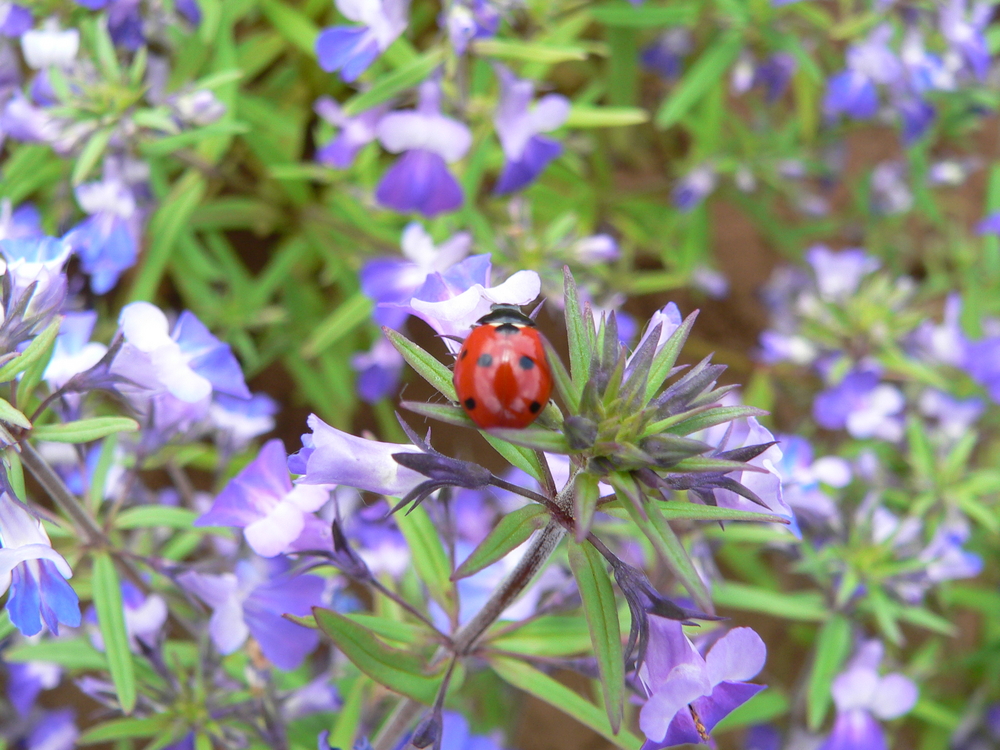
466	20
839	274
379	370
965	32
25	680
351	49
237	421
355	132
74	352
34	572
989	225
518	125
861	405
429	141
694	187
665	56
14	20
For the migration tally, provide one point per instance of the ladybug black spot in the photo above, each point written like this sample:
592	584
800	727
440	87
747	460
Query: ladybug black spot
485	360
470	403
526	362
534	407
464	354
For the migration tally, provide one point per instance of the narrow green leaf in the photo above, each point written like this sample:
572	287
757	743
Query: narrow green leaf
348	721
447	413
12	416
90	154
711	416
680	511
295	27
99	479
885	612
565	387
576	333
76	653
167	145
111	619
582	116
402	632
513	49
512	531
348	316
543	687
427	367
710	67
627	15
833	642
586	493
601	610
107	57
149	516
36	350
536	438
396	82
806	606
123	729
84	430
524	459
554	635
429	557
665	359
393	668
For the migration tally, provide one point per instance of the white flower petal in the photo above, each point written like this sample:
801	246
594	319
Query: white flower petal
144	326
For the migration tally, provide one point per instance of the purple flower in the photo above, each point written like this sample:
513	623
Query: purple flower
251	602
351	49
144	618
596	249
774	74
944	556
392	282
107	242
683	685
801	477
124	21
262	501
853	91
74	352
188	362
26	680
330	456
518	125
838	275
694	187
34	572
955	417
429	141
453	308
37	259
237	421
982	361
964	31
862	697
49	46
355	132
456	735
14	19
665	56
989	225
19	223
190	10
199	107
466	20
23	121
945	343
379	370
890	193
861	405
54	730
669	319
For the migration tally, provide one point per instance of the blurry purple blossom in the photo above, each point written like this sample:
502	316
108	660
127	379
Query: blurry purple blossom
466	20
694	187
23	121
251	602
518	125
53	730
145	617
711	282
351	49
839	274
964	29
801	476
37	259
944	556
379	370
237	421
955	417
945	342
982	362
862	697
272	512
14	19
665	56
50	46
681	683
19	223
774	74
863	406
25	680
989	225
190	10
391	282
355	132
316	696
890	193
669	319
34	572
198	108
74	352
125	21
595	249
330	456
781	347
429	141
457	735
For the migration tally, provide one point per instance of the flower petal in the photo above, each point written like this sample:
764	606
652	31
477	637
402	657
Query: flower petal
736	657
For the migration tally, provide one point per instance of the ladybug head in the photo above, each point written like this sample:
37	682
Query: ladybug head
506	315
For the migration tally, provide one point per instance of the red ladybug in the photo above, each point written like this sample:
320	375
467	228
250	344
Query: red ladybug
502	376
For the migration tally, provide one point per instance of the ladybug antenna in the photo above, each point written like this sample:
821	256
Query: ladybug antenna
537	309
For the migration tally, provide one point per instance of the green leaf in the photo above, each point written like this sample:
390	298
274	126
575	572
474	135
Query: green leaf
582	116
396	82
624	14
394	668
295	27
585	496
525	459
166	145
348	316
122	729
105	460
709	417
428	554
150	516
512	531
394	630
710	67
84	430
76	653
90	155
833	643
107	593
553	635
427	367
806	606
512	49
576	333
681	511
565	387
543	687
10	415
535	438
39	347
447	413
665	359
348	721
601	609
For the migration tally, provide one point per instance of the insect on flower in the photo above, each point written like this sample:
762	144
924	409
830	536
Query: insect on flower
502	376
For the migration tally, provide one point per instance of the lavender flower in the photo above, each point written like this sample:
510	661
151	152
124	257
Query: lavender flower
694	187
145	617
989	225
801	476
74	352
379	370
237	421
54	730
429	141
19	223
853	92
50	46
466	20
861	405
34	572
272	512
596	249
838	275
351	49
890	192
665	56
14	19
518	125
26	680
355	132
250	602
125	21
689	694
37	260
964	30
862	697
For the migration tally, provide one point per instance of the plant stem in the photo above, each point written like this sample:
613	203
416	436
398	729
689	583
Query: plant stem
465	639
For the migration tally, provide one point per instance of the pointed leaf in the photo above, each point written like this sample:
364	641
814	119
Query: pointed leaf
833	642
426	366
428	555
707	70
585	497
512	531
535	438
123	729
524	459
806	606
576	333
150	516
107	594
84	430
10	415
40	347
665	359
348	316
447	413
601	609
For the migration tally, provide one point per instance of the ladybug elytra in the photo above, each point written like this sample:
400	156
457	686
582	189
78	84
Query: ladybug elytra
502	376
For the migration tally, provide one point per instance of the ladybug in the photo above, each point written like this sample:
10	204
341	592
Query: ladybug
502	376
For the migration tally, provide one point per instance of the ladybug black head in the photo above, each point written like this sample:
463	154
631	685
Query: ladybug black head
500	315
